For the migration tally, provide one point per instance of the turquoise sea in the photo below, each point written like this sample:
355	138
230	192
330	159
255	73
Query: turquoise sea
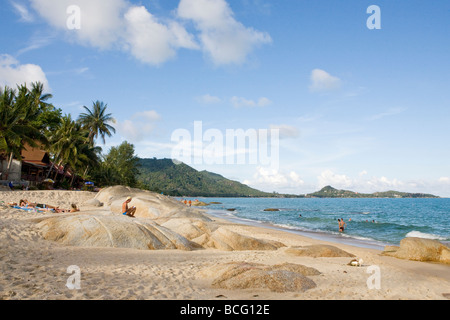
370	222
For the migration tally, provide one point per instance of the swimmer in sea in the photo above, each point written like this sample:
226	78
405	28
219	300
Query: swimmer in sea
341	225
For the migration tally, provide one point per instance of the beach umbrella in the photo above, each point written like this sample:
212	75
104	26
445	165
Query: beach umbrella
49	181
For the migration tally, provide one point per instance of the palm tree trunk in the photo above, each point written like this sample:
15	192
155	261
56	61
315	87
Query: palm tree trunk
11	156
73	178
85	171
53	165
57	169
50	171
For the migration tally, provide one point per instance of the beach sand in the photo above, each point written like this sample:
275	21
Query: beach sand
33	268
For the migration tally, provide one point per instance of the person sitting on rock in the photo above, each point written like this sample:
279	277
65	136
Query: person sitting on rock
128	211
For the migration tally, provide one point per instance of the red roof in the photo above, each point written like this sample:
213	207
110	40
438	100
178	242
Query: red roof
35	156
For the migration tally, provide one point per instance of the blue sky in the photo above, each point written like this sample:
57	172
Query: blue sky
357	108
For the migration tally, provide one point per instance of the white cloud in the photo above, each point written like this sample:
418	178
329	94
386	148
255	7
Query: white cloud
239	102
286	131
36	42
22	11
139	126
223	39
101	20
208	99
322	81
390	112
329	178
266	178
363	173
153	42
12	73
444	180
383	184
118	24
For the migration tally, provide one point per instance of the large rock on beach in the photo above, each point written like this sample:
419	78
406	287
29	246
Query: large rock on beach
92	203
148	204
279	278
210	235
419	249
111	231
317	251
191	223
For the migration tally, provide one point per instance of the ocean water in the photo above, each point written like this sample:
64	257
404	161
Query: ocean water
370	222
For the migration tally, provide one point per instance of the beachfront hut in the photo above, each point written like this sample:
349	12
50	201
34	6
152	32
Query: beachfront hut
35	164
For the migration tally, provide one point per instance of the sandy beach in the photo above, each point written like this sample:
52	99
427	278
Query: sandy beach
33	268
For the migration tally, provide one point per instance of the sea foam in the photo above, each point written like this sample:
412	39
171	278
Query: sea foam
418	234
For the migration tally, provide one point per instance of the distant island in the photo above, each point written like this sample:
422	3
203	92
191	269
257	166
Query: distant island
330	192
181	180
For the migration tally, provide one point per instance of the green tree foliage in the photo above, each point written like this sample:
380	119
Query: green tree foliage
25	118
119	166
97	121
71	148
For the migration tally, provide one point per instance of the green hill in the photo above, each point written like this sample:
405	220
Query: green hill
330	192
163	175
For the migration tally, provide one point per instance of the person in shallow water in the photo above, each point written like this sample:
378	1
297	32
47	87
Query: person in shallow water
342	225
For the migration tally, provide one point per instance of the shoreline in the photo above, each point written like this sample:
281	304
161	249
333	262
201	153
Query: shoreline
316	235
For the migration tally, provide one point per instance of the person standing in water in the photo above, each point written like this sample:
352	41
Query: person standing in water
342	225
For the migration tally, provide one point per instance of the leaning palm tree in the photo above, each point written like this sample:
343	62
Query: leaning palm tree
97	122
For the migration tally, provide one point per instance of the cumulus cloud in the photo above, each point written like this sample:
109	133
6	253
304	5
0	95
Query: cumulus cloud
224	39
322	81
139	126
12	73
329	178
118	24
384	183
151	41
239	102
267	178
101	21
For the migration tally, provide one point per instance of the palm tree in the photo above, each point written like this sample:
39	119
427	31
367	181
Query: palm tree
16	123
66	141
97	121
38	97
86	156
